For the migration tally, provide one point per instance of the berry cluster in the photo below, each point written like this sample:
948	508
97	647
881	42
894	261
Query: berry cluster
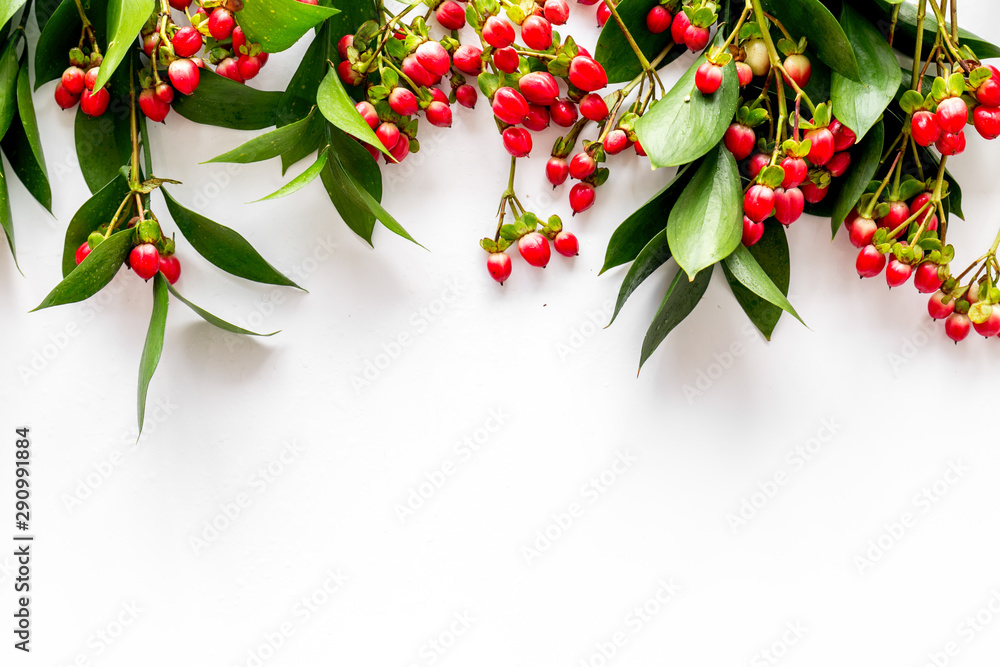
151	251
532	243
77	83
939	119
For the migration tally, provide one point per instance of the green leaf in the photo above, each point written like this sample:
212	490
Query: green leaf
6	218
94	272
8	8
43	10
879	11
225	103
62	31
212	319
278	24
300	181
103	144
300	96
682	297
639	228
859	105
125	20
222	246
686	124
705	225
8	85
866	161
810	19
29	122
352	156
267	146
312	140
358	217
743	266
613	50
338	108
653	256
771	254
22	145
153	347
96	211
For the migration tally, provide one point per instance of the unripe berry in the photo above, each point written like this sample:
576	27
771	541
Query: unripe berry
593	107
170	267
186	42
987	121
739	139
799	69
498	32
64	98
536	31
897	273
438	114
450	15
82	252
752	231
757	57
566	244
517	141
615	142
950	144
582	166
221	23
539	88
678	27
556	11
658	19
403	102
184	75
563	113
957	326
870	262
144	260
708	78
537	118
509	106
940	305
94	102
952	114
469	59
154	108
587	74
367	111
557	171
506	59
926	278
788	205
499	266
433	57
821	145
466	95
696	38
758	202
534	248
72	80
581	197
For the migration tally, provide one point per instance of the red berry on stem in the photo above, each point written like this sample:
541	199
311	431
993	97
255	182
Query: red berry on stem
403	102
184	75
708	78
367	111
412	68
563	113
534	248
248	66
924	128
603	14
991	327
401	149
758	202
536	31
467	96
566	244
347	73
539	88
861	231
821	145
950	144
82	252
615	142
170	267
593	107
388	134
221	23
509	105
438	114
164	92
450	15
957	326
581	197
897	273
897	215
94	102
813	193
186	42
537	118
556	11
90	78
870	262
952	114
72	80
658	19
154	108
988	93
581	166
752	231
517	141
696	38
799	69
587	74
756	164
788	205
796	171
64	98
744	73
926	278
506	59
987	121
678	27
344	43
498	32
434	58
469	59
557	171
739	139
940	305
499	266
144	260
838	164
843	136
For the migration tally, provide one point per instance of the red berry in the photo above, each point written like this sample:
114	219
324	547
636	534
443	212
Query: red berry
418	74
517	141
438	114
870	262
940	305
367	111
556	11
466	95
897	273
587	74
799	69
581	166
539	88
987	121
221	23
788	205
184	76
897	215
240	40
566	244
144	260
603	14
615	142
678	28
813	193
843	136
739	139
593	107
152	106
90	78
82	252
557	171
450	15
403	102
658	19
988	93
536	31
433	58
796	171
708	78
401	149
756	164
952	114
186	42
347	73
94	102
581	197
388	134
758	202
838	164
180	4
170	267
696	38
506	59
957	326
821	145
639	150
344	43
149	44
752	231
950	144
991	327
499	266
498	32
469	59
537	118
164	92
64	98
744	73
534	248
861	231
72	80
248	66
924	128
926	278
509	106
563	113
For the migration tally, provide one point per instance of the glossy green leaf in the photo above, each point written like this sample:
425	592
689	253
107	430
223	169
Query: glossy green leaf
300	95
22	144
222	246
29	121
300	181
103	144
338	108
8	8
615	53
62	31
653	256
706	224
812	20
360	197
225	103
312	140
771	254
278	24
686	124
93	273
682	297
743	266
212	319
904	39
352	14
358	217
43	10
6	218
866	161
96	211
650	219
125	20
9	70
267	146
153	347
859	105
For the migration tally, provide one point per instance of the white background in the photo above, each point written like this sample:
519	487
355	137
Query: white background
314	557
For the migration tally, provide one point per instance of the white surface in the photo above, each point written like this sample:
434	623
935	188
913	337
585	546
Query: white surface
892	403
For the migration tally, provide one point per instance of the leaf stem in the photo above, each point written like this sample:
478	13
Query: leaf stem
628	35
918	49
